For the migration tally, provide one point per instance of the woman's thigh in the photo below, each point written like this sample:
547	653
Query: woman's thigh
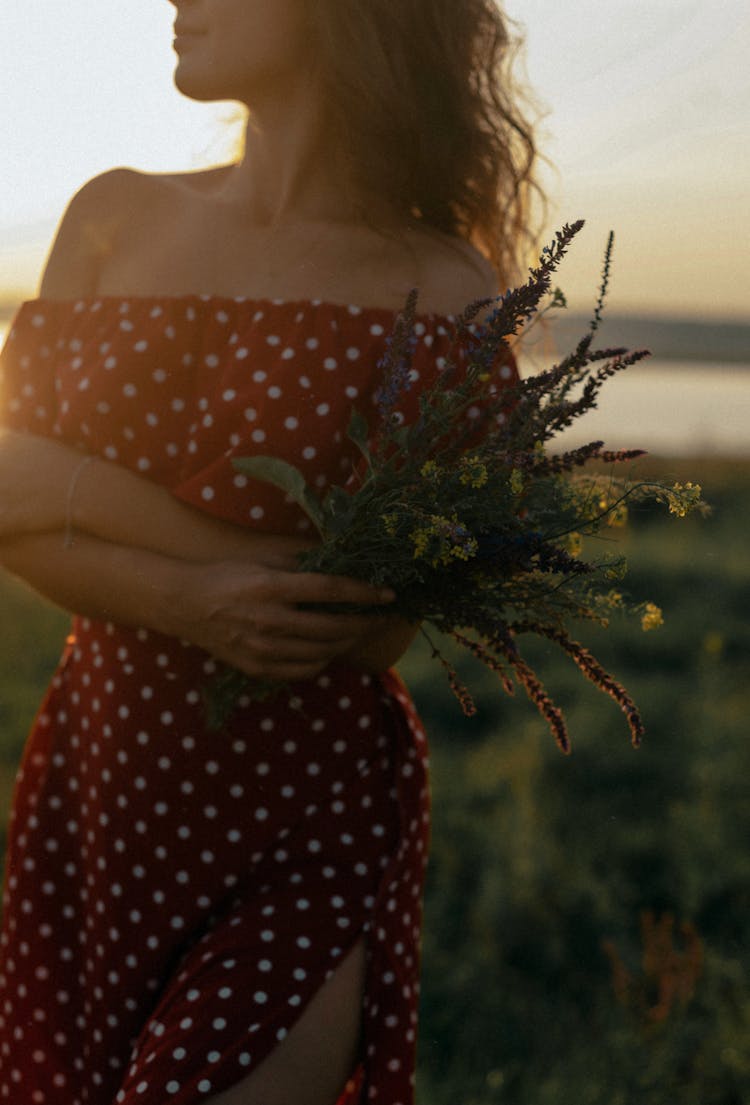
311	1066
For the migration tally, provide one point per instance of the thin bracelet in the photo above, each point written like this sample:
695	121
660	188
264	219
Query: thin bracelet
69	535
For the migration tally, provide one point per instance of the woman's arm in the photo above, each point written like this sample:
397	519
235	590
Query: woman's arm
245	614
95	579
128	567
43	487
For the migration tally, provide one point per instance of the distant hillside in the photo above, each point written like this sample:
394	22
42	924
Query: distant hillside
667	338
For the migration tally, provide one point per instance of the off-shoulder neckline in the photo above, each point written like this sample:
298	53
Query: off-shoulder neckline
80	303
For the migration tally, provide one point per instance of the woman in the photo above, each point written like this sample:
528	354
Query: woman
233	918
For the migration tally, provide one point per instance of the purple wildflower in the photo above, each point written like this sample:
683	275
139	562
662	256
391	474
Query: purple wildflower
395	364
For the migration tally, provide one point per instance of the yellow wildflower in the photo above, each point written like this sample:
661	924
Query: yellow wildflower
442	540
651	618
618	516
430	470
682	498
389	521
465	551
516	481
574	544
473	472
420	539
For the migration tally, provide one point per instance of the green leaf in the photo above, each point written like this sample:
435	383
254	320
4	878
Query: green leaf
357	431
286	477
338	507
400	436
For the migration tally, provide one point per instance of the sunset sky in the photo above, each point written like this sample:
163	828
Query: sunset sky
647	127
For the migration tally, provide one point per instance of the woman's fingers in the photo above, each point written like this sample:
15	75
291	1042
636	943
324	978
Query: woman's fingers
311	641
285	672
283	621
314	587
281	658
269	648
267	622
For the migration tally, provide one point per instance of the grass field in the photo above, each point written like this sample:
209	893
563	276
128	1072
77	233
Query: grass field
586	937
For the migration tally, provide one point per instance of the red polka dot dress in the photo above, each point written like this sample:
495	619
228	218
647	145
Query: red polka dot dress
175	897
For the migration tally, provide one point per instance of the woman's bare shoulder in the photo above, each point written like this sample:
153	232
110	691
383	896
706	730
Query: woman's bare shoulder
89	230
453	273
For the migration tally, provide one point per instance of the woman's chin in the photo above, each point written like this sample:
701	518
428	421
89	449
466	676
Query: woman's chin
198	84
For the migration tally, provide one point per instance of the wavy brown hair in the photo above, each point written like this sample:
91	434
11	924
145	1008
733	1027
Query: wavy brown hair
424	112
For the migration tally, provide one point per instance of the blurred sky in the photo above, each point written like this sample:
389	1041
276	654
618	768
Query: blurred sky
646	122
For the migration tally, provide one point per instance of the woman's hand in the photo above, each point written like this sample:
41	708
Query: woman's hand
259	619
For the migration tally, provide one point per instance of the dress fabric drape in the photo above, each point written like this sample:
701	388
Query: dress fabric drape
174	897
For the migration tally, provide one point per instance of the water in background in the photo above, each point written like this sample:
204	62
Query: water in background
670	408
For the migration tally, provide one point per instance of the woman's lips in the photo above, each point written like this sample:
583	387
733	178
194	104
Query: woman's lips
184	39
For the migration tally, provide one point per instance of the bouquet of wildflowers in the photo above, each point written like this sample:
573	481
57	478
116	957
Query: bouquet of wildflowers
467	513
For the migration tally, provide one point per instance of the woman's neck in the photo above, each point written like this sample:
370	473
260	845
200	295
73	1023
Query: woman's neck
284	175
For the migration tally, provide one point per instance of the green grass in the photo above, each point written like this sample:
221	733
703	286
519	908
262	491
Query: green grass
539	859
31	639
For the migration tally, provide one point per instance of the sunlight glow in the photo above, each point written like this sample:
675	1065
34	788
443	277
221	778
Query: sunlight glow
646	125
